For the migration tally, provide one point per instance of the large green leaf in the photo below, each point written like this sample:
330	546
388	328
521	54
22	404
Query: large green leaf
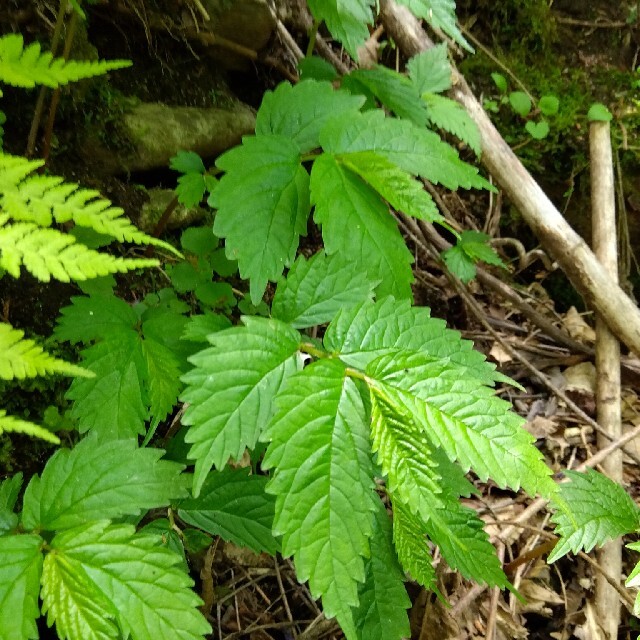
394	91
319	450
381	614
150	597
316	289
163	370
300	112
94	317
451	116
357	224
99	480
20	569
263	205
600	510
347	21
414	149
234	505
440	14
395	185
464	417
362	333
231	389
114	403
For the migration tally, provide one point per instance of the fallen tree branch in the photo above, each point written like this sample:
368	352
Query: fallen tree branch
556	236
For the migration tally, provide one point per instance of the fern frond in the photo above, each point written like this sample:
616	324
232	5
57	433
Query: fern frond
11	424
48	253
43	199
20	358
25	67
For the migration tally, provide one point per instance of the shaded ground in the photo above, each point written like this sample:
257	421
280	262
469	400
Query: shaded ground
579	52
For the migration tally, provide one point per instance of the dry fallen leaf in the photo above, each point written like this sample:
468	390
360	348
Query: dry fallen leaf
577	327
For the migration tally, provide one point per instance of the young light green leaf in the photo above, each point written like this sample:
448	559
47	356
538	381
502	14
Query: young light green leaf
233	505
598	112
149	595
98	480
381	614
472	246
520	103
94	317
430	70
20	570
395	91
410	541
357	224
634	578
230	391
451	116
549	105
316	289
11	424
114	403
300	112
537	130
415	149
600	510
395	185
362	333
460	263
266	190
440	14
79	610
347	21
464	417
322	480
187	162
500	81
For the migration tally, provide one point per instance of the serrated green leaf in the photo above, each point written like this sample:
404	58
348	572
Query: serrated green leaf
164	384
266	190
94	317
71	600
362	333
300	112
322	480
460	263
231	389
20	570
151	597
187	162
520	102
464	417
114	402
451	116
191	188
357	224
234	506
430	70
396	186
381	614
199	327
410	540
415	149
316	289
164	529
216	295
395	91
316	68
99	480
600	510
9	490
185	277
440	14
476	246
347	21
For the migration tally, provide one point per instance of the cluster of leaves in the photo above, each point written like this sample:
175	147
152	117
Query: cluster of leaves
390	409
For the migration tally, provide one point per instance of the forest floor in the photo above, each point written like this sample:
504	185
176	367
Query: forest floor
579	52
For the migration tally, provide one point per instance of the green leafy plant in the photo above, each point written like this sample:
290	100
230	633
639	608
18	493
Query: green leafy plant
362	403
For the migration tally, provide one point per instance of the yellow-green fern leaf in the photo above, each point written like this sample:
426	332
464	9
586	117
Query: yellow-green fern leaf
25	67
48	253
20	358
45	199
11	424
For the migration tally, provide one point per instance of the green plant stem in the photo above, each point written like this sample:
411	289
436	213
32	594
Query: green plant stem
313	33
314	351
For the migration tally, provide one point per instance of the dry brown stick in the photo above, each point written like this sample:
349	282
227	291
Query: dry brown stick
608	395
556	236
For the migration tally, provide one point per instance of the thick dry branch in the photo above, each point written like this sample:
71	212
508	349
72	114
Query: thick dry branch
556	236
